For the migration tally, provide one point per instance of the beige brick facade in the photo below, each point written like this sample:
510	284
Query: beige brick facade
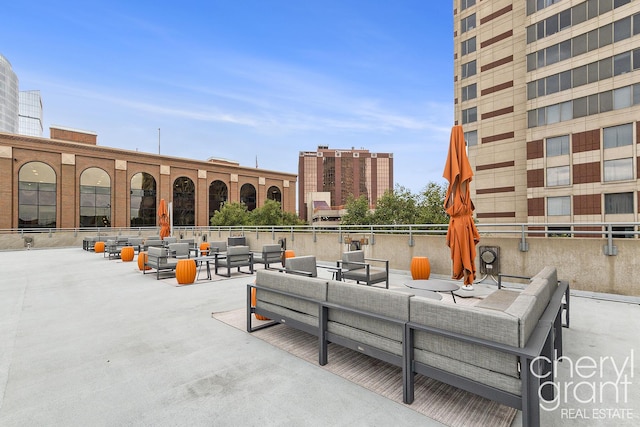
530	62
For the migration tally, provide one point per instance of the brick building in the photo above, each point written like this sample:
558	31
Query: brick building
68	181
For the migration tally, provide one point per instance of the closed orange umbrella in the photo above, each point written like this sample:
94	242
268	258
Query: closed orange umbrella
462	234
163	219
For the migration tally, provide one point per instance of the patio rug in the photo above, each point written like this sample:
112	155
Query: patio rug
438	401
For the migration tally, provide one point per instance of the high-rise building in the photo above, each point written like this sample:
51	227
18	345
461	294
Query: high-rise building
548	93
30	113
342	173
8	97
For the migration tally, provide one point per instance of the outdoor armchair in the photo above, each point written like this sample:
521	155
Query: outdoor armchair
236	256
354	266
179	250
159	259
270	254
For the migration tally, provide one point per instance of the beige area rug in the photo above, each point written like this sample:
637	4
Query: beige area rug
438	401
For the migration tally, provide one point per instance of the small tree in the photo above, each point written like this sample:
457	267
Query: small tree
268	214
357	211
431	204
231	213
396	207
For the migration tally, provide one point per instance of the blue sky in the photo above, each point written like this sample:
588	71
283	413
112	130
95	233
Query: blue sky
245	79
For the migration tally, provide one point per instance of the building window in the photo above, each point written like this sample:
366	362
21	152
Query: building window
618	203
558	176
468	46
468	69
248	196
471	138
557	206
184	202
468	23
36	196
218	195
618	169
469	115
558	146
618	136
143	200
95	198
464	4
469	92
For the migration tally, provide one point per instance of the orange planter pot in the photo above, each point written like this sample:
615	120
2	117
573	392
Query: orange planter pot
287	254
253	304
98	247
186	271
204	248
126	254
142	260
420	268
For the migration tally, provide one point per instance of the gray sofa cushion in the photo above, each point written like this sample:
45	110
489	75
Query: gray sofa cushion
524	308
305	264
303	286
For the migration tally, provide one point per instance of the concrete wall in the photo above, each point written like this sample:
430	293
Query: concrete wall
581	261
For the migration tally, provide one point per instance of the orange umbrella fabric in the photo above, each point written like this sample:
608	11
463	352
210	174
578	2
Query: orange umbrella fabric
462	235
163	219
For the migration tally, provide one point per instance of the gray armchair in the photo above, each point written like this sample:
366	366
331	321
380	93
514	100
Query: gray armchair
302	266
271	254
354	266
236	256
159	259
179	250
217	247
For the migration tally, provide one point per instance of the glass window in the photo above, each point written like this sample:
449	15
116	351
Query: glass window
622	63
531	90
541	87
606	101
36	196
580	107
636	94
593	105
565	80
540	30
605	6
618	136
531	62
558	206
468	46
606	35
218	195
464	4
469	92
579	45
542	116
553	54
579	13
95	198
551	24
565	19
468	69
558	176
592	40
143	200
540	58
605	68
618	203
468	23
622	29
531	6
592	9
565	50
184	196
471	138
622	98
636	24
532	118
618	170
592	72
531	34
566	111
579	76
469	115
553	114
618	3
558	146
636	59
553	84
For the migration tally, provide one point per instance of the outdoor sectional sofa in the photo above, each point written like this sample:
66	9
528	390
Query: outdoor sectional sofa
499	350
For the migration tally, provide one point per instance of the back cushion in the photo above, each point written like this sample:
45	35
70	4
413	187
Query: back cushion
303	263
353	256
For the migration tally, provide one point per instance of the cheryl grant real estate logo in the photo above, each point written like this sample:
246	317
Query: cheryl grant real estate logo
596	388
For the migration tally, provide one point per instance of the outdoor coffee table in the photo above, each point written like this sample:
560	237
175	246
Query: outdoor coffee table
434	285
200	260
421	293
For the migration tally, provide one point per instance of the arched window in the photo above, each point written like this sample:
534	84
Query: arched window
274	193
218	194
184	202
248	196
95	198
36	196
143	200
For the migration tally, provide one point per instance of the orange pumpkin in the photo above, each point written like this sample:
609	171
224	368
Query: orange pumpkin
98	247
142	260
420	268
186	271
253	304
126	254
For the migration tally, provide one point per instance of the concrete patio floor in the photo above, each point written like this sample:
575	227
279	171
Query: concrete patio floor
87	341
